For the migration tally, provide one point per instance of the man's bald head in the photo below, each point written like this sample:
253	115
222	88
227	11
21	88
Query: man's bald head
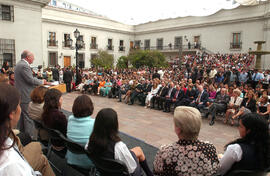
28	56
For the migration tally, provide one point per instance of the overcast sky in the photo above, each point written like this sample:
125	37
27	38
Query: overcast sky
142	11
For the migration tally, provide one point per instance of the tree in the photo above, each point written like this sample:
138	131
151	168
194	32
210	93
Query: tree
122	62
103	59
140	58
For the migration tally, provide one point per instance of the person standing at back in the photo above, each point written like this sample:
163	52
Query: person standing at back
25	83
67	77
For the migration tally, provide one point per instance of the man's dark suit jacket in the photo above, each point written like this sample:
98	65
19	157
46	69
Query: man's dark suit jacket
67	77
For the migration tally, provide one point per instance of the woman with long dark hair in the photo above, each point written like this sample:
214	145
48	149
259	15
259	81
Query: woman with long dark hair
105	142
52	117
250	151
12	161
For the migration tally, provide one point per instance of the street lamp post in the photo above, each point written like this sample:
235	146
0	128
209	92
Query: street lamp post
78	45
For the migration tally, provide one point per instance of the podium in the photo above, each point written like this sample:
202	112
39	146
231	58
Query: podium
60	87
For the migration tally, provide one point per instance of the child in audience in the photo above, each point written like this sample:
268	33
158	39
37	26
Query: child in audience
105	142
80	126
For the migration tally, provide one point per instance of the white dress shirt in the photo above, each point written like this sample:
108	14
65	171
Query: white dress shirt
12	162
232	154
122	153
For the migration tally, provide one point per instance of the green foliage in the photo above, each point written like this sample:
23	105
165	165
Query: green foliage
140	58
104	60
122	62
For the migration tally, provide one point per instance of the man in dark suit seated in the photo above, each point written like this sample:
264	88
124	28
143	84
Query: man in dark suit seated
138	90
169	97
160	95
154	98
146	88
201	100
188	97
177	96
219	105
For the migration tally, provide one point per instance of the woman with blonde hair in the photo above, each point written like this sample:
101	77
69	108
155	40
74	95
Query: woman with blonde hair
153	92
187	156
233	105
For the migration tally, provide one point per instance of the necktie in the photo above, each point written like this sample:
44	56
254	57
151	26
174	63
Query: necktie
176	94
199	97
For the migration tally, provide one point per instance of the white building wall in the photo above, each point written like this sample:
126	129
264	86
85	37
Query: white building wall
215	31
25	30
88	26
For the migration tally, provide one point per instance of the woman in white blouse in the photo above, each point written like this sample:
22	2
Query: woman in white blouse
153	92
250	151
233	105
105	142
12	162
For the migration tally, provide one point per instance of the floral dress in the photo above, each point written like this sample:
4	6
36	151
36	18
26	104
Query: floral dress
186	158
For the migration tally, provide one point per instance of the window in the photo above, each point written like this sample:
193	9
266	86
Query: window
83	46
177	42
146	44
159	44
52	59
110	46
236	41
66	38
93	44
81	60
7	51
7	12
52	39
121	45
131	45
137	44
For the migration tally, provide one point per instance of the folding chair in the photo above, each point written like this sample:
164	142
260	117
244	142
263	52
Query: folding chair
110	167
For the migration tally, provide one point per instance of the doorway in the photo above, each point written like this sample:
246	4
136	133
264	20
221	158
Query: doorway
67	61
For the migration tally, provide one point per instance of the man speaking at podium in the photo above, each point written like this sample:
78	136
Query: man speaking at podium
25	82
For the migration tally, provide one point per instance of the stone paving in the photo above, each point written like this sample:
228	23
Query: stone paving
152	126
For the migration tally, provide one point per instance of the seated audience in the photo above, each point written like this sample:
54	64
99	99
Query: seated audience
35	107
14	158
250	151
264	107
201	100
11	78
152	93
52	117
233	105
105	142
219	105
4	79
80	126
248	105
187	156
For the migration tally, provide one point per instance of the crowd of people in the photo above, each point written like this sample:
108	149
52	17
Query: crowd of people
203	84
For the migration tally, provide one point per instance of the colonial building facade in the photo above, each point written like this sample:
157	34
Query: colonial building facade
45	29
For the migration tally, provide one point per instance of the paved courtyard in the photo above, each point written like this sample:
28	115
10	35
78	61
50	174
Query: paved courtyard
152	126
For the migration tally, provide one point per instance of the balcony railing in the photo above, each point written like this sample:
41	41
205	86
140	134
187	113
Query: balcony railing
52	43
121	48
110	47
236	45
93	46
65	44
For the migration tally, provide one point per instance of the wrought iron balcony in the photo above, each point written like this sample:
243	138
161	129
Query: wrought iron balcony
110	47
93	46
236	45
121	48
